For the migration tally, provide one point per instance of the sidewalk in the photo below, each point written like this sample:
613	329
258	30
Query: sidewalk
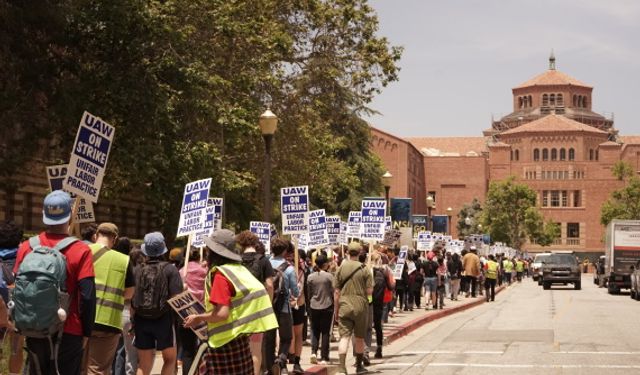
400	325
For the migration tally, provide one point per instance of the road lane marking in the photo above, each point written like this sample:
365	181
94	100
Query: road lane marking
454	352
530	366
607	353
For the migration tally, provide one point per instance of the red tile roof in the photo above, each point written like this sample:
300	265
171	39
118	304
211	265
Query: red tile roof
630	139
552	77
460	145
553	123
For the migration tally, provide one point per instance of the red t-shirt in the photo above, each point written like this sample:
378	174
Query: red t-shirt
79	266
221	290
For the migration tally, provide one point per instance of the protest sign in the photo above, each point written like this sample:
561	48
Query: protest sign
194	203
207	228
402	256
303	241
318	235
263	231
390	237
373	219
342	239
424	242
294	205
84	211
217	204
333	229
387	223
89	157
353	224
185	304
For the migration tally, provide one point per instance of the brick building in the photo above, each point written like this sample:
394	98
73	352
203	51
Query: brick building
552	141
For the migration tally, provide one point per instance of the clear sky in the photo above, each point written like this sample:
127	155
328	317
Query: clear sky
462	58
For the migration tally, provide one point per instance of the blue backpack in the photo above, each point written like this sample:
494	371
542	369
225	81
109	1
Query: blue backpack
40	290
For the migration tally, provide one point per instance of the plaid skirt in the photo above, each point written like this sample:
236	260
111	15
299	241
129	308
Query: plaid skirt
233	358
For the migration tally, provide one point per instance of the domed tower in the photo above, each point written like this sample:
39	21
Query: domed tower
551	92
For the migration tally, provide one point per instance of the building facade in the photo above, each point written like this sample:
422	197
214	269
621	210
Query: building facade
552	141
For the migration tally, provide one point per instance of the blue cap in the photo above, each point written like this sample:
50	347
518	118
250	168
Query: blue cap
154	245
57	208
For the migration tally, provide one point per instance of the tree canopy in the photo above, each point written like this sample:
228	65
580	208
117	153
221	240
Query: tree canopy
473	211
184	83
623	203
510	215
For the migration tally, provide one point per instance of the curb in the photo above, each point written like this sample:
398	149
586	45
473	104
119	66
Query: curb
407	328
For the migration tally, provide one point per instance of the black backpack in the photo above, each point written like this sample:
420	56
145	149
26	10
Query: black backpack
279	289
251	261
380	283
152	290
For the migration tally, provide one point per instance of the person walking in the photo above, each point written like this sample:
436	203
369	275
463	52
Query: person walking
156	281
67	336
507	267
320	285
490	278
471	265
429	268
285	287
441	274
298	311
114	285
454	266
237	306
519	269
382	281
352	287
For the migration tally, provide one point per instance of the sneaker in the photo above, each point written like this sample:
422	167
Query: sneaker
365	360
361	370
297	369
378	354
313	359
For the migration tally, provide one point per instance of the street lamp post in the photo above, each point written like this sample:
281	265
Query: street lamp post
268	124
386	180
449	211
430	205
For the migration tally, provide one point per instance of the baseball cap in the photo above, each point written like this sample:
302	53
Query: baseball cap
154	245
223	243
57	208
354	247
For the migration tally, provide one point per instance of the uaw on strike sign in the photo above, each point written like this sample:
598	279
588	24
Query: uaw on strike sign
294	205
194	204
84	211
89	157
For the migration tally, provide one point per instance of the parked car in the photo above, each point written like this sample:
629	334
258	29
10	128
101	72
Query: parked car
536	266
561	267
635	282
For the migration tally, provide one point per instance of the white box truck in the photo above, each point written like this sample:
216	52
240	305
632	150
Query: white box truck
622	253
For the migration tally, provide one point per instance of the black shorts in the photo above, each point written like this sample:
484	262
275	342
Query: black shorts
298	315
154	333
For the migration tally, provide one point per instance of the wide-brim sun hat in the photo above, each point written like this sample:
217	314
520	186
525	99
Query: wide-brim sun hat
223	243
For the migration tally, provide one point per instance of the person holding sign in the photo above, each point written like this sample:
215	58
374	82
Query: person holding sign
237	305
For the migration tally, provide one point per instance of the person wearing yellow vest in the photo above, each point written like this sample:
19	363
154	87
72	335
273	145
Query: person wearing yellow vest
490	277
237	305
114	284
507	267
519	269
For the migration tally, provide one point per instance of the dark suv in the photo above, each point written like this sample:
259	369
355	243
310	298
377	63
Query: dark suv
561	268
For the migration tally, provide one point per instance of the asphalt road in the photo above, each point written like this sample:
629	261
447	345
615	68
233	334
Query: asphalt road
527	330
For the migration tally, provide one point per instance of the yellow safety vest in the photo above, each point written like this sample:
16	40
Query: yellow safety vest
507	265
250	312
110	268
519	266
492	270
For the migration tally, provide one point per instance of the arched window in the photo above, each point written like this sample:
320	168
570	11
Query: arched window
530	101
520	102
545	100
572	154
545	154
575	100
580	101
536	154
552	100
511	155
563	154
584	102
590	154
554	154
517	155
596	155
560	100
